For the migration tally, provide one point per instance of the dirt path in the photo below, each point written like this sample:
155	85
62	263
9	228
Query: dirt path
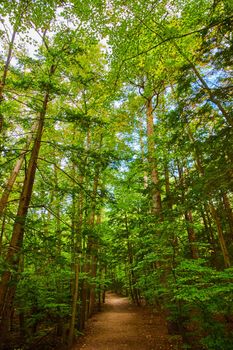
122	326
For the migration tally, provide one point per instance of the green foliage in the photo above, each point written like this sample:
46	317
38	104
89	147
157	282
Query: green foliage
91	206
39	299
197	283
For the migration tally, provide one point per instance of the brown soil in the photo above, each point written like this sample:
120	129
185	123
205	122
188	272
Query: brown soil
123	326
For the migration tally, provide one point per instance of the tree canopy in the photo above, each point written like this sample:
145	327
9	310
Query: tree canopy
116	165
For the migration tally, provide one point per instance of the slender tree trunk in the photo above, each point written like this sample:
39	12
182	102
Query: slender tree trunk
229	214
5	71
93	286
84	246
22	9
145	175
191	234
225	253
132	277
188	218
76	243
213	211
155	193
83	299
9	277
74	306
167	186
2	232
208	228
59	282
10	183
94	269
92	245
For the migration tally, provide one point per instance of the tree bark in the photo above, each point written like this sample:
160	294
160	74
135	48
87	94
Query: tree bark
83	298
155	193
225	253
191	234
213	211
10	183
5	71
229	214
167	186
2	232
9	276
92	246
188	217
145	175
22	9
132	277
74	306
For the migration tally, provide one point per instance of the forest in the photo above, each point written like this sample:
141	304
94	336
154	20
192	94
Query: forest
116	134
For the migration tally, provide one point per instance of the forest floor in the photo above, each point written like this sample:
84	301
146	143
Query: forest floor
123	326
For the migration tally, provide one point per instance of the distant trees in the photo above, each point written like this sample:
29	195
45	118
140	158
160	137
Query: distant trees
167	44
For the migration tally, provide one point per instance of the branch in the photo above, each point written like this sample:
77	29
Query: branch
51	211
69	176
6	30
172	38
156	101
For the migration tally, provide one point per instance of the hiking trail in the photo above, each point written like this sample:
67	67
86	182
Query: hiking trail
123	326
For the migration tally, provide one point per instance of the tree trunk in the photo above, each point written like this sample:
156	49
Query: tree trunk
155	193
229	214
92	246
74	306
208	228
191	234
93	285
5	71
76	243
167	186
188	217
10	183
22	9
83	307
132	277
211	207
225	253
9	277
2	232
145	175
